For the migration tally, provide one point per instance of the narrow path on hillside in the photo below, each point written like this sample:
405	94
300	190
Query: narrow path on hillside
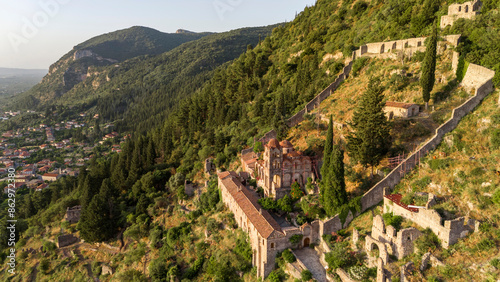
311	260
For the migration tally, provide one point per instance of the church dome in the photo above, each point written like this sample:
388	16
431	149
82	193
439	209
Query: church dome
286	144
273	143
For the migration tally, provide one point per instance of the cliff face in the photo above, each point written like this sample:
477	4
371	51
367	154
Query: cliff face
104	50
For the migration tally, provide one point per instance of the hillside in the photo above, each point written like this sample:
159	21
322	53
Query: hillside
463	173
103	50
141	91
139	202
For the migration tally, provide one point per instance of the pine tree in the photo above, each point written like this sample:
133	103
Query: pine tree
334	192
150	154
428	76
370	139
95	224
88	191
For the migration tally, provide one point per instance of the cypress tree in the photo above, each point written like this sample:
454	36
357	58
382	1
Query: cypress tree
370	139
327	151
335	194
428	76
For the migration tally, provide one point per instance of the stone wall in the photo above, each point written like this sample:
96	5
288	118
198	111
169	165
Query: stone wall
477	75
467	10
343	275
66	240
448	231
268	136
313	104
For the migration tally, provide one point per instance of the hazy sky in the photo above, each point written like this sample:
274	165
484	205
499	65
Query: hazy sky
36	33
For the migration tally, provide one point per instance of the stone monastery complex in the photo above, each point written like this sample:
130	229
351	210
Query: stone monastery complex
280	166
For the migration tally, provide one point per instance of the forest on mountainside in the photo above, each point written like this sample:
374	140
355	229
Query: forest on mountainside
239	102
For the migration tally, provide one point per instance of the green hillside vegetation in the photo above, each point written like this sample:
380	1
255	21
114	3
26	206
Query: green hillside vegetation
113	47
136	41
464	173
141	91
141	190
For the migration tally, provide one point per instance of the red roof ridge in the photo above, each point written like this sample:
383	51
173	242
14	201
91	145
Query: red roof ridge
399	104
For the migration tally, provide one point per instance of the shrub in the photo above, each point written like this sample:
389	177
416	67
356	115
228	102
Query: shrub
496	197
394	220
439	163
495	263
268	203
495	139
49	246
212	225
306	275
486	244
276	276
96	268
340	256
295	239
288	256
428	241
44	265
358	64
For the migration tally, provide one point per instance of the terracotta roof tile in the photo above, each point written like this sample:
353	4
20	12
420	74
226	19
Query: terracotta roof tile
399	105
396	198
260	218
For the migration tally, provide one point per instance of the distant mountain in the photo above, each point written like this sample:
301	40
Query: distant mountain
14	81
183	31
107	49
142	89
11	72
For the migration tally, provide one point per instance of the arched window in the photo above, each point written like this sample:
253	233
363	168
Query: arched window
467	8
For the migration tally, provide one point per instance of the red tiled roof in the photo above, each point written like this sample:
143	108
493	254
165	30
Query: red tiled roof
396	198
273	143
399	105
51	175
286	144
260	218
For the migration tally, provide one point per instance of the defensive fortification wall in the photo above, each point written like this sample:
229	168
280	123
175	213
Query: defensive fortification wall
478	76
299	117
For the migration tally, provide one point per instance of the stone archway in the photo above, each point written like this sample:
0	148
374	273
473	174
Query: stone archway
307	242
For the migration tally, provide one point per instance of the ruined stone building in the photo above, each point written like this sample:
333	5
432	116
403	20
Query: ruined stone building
403	110
267	237
281	167
73	214
448	231
389	242
467	10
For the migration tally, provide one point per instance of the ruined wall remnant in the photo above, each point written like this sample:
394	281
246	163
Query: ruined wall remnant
467	10
448	231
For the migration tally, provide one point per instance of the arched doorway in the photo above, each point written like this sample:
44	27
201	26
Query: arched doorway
307	242
382	49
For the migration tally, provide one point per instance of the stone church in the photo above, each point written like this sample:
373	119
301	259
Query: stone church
280	167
